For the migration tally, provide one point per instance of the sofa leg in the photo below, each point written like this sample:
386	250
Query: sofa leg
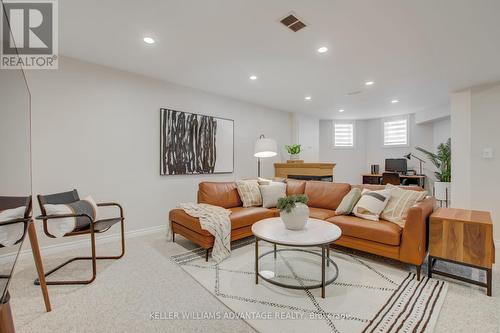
173	237
418	271
206	255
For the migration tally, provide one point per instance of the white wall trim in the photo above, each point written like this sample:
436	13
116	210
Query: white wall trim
57	248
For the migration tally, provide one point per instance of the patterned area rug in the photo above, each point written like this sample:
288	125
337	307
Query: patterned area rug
367	296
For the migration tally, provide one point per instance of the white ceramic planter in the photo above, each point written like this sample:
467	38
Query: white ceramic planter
297	218
440	189
294	156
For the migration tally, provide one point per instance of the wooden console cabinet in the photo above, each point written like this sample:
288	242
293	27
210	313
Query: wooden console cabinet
463	237
312	170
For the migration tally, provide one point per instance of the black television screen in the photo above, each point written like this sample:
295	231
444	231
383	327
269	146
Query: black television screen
395	164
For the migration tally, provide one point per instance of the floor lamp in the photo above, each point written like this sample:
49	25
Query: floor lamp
264	147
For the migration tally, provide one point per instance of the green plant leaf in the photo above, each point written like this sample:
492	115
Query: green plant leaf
293	149
441	160
288	203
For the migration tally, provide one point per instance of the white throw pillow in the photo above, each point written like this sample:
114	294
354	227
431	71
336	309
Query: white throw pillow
264	181
400	202
249	192
371	204
94	205
11	233
60	227
271	193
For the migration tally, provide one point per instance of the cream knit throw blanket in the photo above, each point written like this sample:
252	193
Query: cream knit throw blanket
216	221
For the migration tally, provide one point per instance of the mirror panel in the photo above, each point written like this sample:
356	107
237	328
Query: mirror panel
15	167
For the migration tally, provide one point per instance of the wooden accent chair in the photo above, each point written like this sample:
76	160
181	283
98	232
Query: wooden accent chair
14	202
94	227
391	178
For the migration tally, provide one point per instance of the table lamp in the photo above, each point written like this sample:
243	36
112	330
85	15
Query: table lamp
264	147
410	155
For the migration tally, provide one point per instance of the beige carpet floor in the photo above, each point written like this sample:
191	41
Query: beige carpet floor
146	282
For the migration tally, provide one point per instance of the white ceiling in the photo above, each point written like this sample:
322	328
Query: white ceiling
415	50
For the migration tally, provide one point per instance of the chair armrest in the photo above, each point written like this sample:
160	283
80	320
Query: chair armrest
61	216
110	204
413	240
13	221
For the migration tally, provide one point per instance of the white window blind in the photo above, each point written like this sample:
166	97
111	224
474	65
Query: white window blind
396	132
343	134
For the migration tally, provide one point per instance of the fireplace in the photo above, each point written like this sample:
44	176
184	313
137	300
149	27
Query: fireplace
305	171
305	177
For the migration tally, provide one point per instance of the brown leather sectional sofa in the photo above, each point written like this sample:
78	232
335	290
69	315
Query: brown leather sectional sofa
383	238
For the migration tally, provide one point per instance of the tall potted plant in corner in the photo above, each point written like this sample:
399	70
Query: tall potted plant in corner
294	151
442	161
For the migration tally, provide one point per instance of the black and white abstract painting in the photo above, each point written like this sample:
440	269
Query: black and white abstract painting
195	144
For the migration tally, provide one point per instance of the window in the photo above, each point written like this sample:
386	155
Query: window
343	134
396	132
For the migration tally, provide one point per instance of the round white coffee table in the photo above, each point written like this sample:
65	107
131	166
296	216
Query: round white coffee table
316	233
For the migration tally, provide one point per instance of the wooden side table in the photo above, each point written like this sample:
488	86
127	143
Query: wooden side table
462	237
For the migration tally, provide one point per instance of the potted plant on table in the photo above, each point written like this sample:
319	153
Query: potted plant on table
294	151
294	211
442	161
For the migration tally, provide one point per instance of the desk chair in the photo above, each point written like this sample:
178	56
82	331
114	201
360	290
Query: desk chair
14	202
391	178
93	228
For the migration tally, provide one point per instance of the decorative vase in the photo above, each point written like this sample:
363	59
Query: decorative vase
442	190
297	218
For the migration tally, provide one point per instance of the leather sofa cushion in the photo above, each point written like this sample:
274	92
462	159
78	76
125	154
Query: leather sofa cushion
295	186
275	211
315	213
222	194
243	217
240	217
179	216
377	231
320	213
325	194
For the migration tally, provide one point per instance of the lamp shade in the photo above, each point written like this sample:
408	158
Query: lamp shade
265	147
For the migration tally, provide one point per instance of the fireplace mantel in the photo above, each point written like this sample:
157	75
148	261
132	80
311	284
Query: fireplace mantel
308	170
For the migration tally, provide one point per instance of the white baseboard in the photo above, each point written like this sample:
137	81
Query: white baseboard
100	239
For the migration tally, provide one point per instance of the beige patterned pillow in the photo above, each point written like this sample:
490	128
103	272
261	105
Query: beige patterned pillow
249	192
371	204
400	202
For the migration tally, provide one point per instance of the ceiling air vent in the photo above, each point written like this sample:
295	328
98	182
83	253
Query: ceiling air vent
293	23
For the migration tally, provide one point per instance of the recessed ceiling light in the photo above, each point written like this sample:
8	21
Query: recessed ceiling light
369	83
394	101
308	98
323	49
253	77
148	40
341	110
